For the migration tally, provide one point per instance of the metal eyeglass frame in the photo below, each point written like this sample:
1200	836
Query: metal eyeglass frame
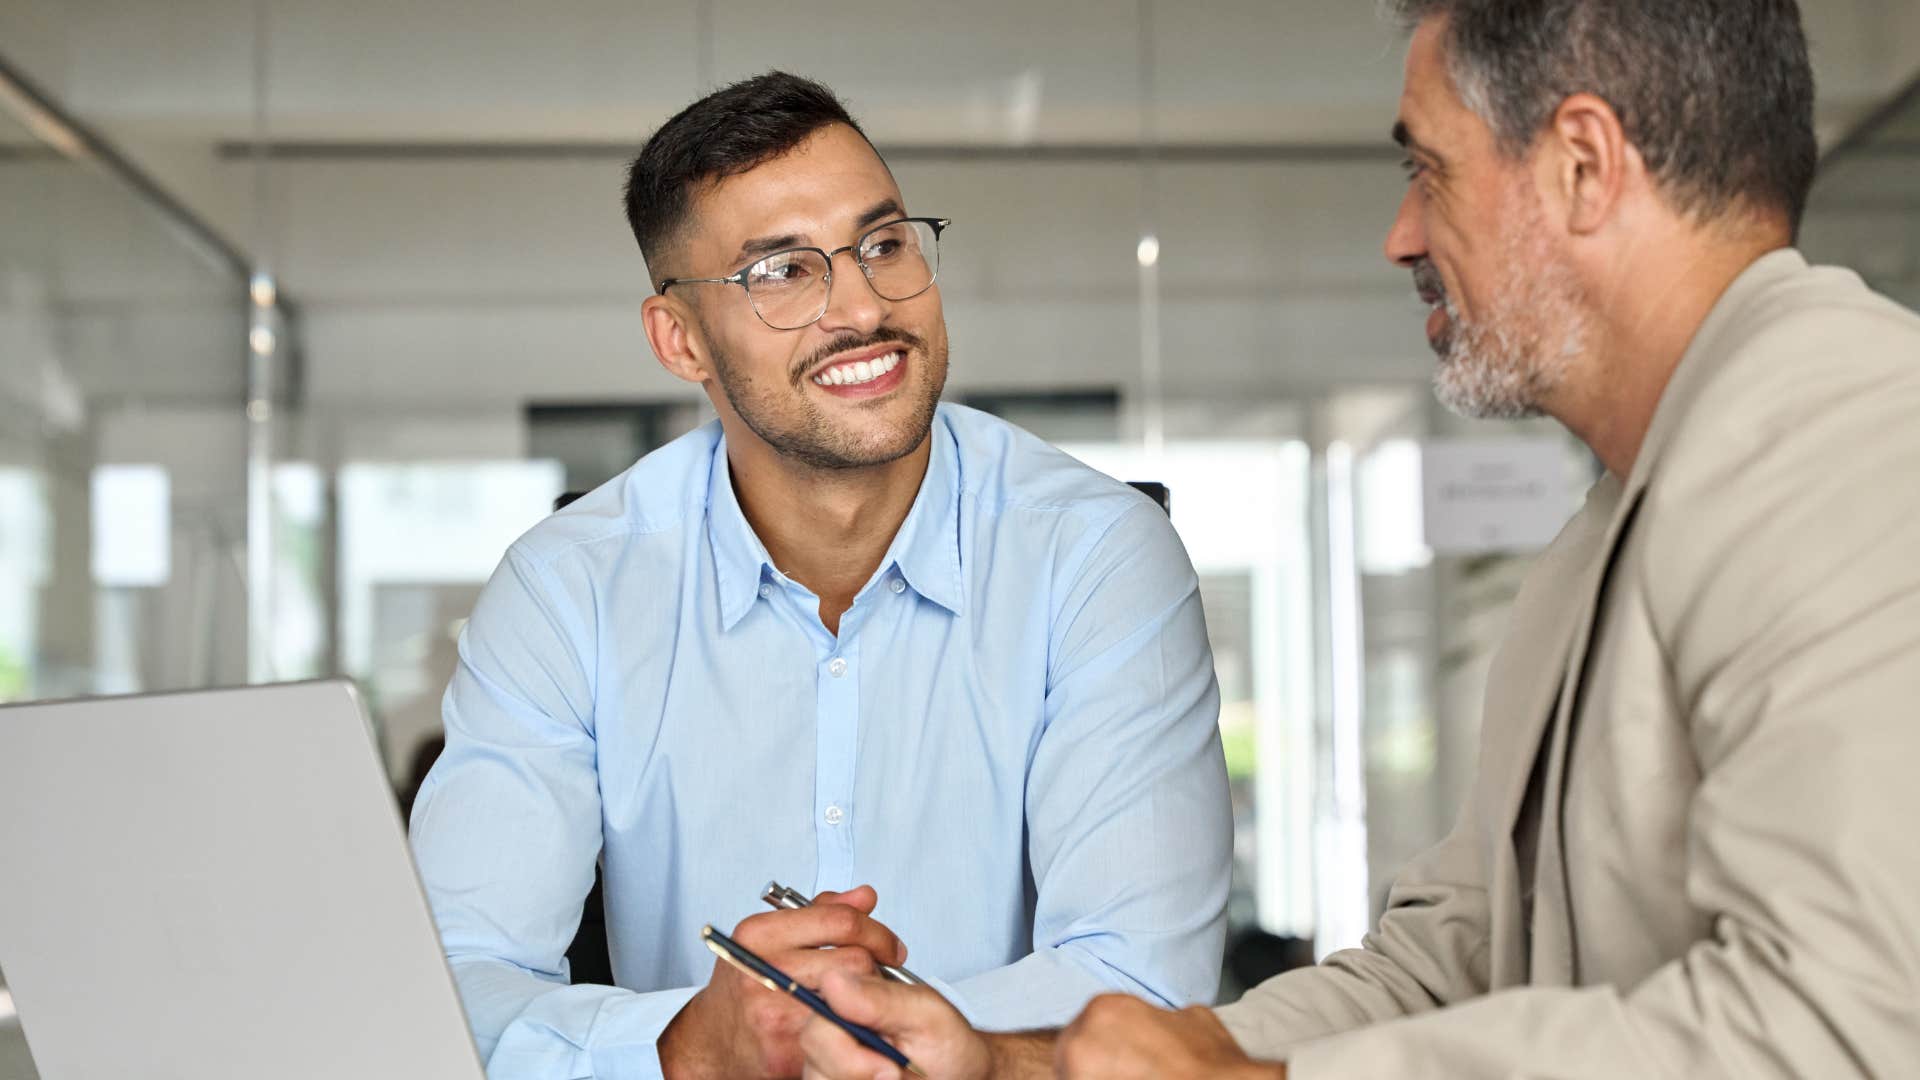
739	277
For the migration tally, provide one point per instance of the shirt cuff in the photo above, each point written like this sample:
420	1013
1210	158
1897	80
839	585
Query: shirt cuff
624	1042
622	1030
954	997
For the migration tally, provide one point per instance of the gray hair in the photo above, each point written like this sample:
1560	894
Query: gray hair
1717	95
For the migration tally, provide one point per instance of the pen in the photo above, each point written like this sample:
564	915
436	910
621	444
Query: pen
774	979
780	896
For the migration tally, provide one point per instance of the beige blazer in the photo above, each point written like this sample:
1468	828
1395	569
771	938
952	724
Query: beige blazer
1705	725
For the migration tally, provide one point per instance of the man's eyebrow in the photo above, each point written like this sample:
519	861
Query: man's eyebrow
880	211
767	245
1407	142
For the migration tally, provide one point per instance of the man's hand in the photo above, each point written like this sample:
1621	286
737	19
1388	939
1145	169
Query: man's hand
917	1021
1123	1038
735	1028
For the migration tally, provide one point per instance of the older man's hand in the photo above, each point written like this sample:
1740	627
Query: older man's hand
915	1020
1123	1038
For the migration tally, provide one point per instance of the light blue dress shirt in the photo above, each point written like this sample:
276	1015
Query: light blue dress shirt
1014	739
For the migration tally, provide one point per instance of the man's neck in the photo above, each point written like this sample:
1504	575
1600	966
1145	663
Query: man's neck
1645	319
825	528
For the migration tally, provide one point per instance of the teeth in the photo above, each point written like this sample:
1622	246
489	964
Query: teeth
860	371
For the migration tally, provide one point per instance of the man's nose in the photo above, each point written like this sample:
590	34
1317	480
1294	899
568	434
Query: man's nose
1407	238
853	304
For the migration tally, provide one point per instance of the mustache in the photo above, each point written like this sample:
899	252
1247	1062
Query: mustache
1427	281
885	335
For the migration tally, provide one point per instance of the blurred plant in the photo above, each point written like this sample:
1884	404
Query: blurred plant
1237	739
13	676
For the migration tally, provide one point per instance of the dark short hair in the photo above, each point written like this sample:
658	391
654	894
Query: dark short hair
1717	95
728	132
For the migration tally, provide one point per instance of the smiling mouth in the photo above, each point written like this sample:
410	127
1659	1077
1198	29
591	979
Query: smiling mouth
859	372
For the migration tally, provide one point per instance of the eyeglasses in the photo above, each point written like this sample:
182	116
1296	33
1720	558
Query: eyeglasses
790	289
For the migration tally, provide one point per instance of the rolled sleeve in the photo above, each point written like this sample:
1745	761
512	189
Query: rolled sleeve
1127	809
506	831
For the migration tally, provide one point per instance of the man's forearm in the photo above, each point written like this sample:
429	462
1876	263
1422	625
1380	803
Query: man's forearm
1028	1055
1022	1055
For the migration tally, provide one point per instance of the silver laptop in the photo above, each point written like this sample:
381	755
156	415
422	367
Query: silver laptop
216	884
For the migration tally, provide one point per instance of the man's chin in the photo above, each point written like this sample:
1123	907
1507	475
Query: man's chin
870	441
854	458
1464	399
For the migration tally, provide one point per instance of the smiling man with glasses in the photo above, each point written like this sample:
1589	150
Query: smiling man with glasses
898	653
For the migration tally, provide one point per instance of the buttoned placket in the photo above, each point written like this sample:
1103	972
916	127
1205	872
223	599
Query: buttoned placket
836	748
836	722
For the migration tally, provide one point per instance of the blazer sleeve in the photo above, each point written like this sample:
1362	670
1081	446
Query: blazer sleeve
1429	950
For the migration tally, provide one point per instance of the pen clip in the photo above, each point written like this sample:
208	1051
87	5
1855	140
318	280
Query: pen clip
706	936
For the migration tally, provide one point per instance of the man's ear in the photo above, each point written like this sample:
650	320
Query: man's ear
1590	161
671	331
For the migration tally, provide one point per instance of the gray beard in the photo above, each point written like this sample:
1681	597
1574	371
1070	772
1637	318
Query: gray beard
1506	364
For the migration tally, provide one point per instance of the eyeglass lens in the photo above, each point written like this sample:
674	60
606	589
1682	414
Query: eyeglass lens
789	289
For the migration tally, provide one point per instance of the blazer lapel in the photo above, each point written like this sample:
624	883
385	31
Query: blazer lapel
1522	688
1555	959
1553	935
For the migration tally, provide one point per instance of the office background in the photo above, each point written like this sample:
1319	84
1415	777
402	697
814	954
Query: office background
307	309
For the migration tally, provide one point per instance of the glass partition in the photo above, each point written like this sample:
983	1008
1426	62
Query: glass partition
122	480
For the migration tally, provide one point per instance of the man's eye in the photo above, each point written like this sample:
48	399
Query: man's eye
1413	169
779	271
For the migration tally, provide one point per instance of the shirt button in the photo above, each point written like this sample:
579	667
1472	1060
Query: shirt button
837	666
897	586
766	591
835	815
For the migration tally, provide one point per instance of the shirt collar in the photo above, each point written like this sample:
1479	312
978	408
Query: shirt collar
740	560
926	550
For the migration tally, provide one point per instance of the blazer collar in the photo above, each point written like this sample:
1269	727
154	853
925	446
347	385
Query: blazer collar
1728	321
